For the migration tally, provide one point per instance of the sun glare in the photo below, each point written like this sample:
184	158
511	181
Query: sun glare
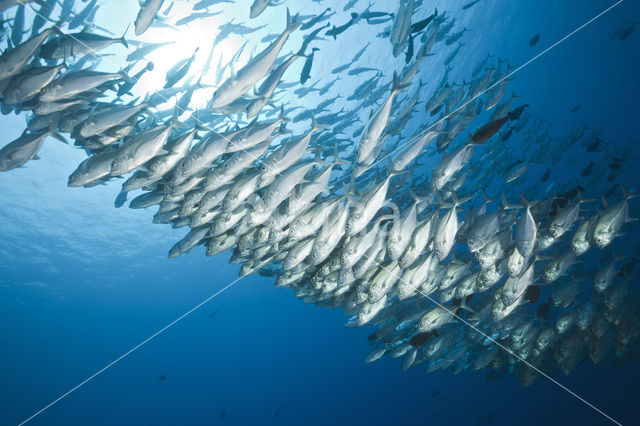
185	39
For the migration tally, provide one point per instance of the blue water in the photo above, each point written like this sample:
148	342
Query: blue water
81	282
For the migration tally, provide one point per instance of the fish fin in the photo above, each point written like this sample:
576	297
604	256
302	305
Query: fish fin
126	77
470	140
486	197
282	130
419	199
123	40
54	132
398	85
336	158
282	118
627	194
292	23
506	205
581	199
463	305
347	192
392	170
314	125
526	203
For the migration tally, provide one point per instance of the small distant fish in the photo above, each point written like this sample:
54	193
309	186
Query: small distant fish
120	199
615	163
421	25
223	413
491	128
627	268
278	411
349	5
534	40
213	314
194	16
575	108
162	378
543	309
626	31
179	70
360	70
319	18
422	338
333	32
587	170
532	294
468	5
306	69
545	176
409	49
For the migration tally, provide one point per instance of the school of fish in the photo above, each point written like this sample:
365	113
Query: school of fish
343	212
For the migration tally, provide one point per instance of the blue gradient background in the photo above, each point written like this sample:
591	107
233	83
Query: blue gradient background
82	282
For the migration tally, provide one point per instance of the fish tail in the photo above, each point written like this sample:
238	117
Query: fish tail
336	157
581	199
292	23
417	198
314	125
470	140
347	191
627	194
397	84
506	205
392	170
486	197
527	204
282	130
123	40
282	118
175	123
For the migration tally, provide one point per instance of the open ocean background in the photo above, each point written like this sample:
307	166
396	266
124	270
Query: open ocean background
81	282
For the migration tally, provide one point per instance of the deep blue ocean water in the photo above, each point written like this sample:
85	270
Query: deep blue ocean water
81	282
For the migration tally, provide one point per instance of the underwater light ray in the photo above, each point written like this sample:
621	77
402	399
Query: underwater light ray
177	107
